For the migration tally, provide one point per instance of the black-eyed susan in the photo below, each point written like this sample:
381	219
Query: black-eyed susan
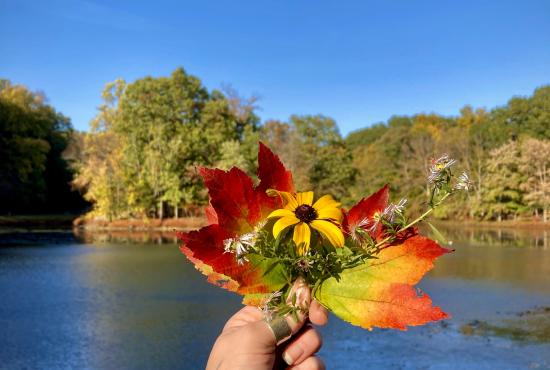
299	211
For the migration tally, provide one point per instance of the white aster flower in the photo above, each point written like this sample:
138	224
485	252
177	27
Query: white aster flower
242	244
371	224
438	166
388	213
394	209
356	230
464	182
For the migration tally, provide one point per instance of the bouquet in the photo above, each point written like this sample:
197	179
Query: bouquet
362	264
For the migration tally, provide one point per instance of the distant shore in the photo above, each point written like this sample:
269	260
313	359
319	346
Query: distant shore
48	221
167	224
65	221
41	222
507	224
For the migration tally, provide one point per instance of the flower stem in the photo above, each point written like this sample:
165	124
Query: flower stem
412	223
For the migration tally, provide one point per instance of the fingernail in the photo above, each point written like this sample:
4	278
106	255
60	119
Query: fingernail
292	354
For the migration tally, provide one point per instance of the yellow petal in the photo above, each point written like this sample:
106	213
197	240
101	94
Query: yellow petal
302	236
325	201
283	223
305	198
280	213
329	231
289	199
330	213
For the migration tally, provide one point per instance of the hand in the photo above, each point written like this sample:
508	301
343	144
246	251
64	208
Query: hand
246	341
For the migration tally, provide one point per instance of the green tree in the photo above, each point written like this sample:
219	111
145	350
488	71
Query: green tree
162	129
99	169
365	136
34	175
332	172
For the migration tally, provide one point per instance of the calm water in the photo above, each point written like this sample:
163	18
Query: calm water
133	301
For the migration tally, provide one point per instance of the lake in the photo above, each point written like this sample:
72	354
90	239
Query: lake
121	300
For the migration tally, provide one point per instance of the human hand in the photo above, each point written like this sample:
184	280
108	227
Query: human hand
247	342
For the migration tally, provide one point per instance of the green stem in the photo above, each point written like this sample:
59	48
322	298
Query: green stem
412	223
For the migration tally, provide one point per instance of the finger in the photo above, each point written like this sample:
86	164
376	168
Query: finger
245	315
303	346
300	297
310	363
300	290
318	315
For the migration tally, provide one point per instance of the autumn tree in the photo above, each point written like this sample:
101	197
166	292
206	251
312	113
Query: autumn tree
155	131
502	196
151	134
535	166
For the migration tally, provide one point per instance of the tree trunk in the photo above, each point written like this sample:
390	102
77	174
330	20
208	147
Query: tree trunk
545	214
161	210
176	212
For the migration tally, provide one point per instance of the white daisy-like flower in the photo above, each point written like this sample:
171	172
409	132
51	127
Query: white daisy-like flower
370	225
355	232
463	182
242	244
394	209
438	166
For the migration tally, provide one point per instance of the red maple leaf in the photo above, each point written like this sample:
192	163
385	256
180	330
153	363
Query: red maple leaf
236	207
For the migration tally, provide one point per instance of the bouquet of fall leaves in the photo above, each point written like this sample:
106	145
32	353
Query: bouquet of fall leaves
362	264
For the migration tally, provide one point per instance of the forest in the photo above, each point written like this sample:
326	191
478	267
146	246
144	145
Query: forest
139	157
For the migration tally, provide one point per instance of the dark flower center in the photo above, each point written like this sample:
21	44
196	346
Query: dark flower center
305	213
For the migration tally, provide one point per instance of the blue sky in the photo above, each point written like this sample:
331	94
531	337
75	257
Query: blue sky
357	61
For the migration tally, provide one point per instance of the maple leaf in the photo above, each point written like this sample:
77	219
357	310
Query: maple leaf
381	291
273	175
367	207
236	207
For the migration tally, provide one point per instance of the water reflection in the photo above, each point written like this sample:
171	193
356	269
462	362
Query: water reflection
519	238
520	258
126	236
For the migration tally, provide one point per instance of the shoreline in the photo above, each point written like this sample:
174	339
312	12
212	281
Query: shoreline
517	225
167	224
67	222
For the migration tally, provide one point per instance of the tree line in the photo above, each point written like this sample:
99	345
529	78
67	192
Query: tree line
505	151
140	155
35	173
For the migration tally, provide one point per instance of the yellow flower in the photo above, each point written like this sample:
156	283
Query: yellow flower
324	216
